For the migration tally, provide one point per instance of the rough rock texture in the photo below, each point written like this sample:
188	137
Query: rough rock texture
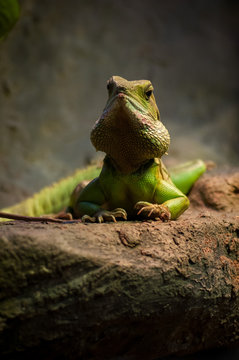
131	290
218	190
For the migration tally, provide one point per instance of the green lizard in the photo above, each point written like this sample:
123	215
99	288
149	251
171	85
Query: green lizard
133	182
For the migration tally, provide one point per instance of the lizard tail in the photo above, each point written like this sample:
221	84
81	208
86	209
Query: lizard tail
53	198
186	174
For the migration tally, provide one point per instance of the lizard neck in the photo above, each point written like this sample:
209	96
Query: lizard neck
125	167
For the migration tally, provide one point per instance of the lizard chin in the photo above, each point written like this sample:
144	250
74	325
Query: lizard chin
129	134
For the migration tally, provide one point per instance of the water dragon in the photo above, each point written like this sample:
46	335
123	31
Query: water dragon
133	182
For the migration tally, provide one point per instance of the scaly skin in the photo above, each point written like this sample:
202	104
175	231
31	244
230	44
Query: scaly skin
52	199
133	181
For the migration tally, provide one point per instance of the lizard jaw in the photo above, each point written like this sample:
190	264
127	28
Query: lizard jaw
128	133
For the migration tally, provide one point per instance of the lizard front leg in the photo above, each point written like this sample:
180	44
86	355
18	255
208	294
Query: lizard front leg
90	205
168	203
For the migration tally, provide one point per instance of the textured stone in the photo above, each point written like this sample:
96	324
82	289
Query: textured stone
130	290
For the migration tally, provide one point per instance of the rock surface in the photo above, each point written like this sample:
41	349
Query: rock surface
131	290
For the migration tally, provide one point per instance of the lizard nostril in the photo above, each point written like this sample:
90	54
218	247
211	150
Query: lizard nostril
121	95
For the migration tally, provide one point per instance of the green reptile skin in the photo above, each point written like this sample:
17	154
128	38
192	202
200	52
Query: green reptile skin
52	199
133	182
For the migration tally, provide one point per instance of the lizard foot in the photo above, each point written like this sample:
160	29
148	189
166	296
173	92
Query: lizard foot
153	211
105	215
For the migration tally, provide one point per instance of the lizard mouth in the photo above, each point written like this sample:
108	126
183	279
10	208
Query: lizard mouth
123	101
127	130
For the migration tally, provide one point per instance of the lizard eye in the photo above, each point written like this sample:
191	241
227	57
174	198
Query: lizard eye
109	85
148	94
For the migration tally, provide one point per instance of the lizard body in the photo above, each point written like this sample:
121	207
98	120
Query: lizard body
133	181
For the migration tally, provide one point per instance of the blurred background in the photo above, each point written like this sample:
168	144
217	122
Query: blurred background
55	63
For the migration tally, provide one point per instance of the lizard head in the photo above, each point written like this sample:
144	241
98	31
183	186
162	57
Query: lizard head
129	130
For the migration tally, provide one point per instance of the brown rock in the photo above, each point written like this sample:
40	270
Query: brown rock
131	290
218	191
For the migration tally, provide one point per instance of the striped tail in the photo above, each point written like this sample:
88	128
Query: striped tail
53	198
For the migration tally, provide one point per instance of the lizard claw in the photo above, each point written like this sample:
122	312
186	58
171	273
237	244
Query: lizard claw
153	211
87	218
106	215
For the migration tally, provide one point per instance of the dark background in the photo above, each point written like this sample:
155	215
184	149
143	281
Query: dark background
55	63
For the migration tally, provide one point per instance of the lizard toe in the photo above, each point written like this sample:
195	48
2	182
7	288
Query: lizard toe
105	215
87	218
153	211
